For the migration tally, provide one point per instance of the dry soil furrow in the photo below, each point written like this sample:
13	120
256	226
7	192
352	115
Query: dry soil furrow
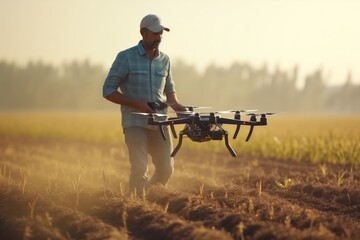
34	215
241	207
145	220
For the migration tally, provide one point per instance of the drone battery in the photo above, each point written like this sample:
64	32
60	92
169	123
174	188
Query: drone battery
216	135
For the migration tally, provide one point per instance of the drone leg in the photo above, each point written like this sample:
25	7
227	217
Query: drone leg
231	150
250	133
162	132
177	146
173	130
236	131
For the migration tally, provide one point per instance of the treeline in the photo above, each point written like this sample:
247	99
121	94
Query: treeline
243	86
78	86
40	86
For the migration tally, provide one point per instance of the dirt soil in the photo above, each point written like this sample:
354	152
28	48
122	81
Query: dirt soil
72	190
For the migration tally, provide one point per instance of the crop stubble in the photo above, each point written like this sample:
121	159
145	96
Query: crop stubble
211	195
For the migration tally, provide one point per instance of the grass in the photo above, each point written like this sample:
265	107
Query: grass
68	126
317	139
285	185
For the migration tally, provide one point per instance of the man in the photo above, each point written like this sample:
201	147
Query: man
138	76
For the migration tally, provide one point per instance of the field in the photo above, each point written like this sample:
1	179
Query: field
64	176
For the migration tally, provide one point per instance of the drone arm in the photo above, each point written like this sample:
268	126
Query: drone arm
241	122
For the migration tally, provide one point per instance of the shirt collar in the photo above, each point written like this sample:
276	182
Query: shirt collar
142	51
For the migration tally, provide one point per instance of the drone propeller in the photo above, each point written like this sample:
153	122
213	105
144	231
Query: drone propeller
190	111
235	111
259	114
150	114
194	107
185	113
191	108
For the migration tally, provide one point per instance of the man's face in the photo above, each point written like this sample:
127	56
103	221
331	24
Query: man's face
151	39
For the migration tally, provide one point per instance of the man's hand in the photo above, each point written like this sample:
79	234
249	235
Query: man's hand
119	98
179	108
144	107
174	104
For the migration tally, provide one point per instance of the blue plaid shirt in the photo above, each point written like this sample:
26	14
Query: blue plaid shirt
141	78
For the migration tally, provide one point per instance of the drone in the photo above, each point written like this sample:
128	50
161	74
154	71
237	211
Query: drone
203	127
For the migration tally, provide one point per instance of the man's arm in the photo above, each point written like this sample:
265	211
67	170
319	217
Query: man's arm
119	98
118	71
173	102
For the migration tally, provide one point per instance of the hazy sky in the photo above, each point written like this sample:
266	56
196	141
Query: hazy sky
284	33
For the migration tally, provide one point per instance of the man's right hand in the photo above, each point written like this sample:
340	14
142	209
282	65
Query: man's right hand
144	107
119	98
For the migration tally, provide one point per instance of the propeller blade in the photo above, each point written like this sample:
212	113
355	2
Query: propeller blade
234	111
184	114
259	114
150	114
192	108
187	113
198	107
188	106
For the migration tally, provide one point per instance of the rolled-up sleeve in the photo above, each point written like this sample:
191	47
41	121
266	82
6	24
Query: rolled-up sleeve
169	85
117	73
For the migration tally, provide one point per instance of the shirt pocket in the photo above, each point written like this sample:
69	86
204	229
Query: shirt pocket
160	79
139	76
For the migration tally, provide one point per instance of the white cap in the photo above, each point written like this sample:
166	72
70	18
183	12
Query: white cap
153	23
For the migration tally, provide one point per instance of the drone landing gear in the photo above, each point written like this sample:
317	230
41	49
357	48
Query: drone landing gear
178	145
228	146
